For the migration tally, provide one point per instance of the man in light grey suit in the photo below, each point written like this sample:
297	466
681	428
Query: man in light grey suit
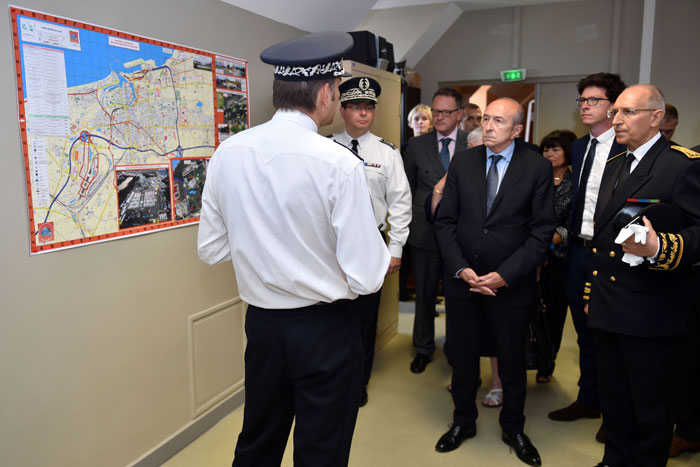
426	160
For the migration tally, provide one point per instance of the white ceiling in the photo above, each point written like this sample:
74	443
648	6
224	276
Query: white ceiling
347	15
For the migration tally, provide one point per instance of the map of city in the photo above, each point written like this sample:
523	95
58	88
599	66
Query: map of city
117	129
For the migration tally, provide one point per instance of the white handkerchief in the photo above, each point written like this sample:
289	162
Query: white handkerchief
640	236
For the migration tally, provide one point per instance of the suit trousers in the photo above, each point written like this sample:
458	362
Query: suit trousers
687	370
303	363
578	268
427	270
368	311
466	318
635	397
553	287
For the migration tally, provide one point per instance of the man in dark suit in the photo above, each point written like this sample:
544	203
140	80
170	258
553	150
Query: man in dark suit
598	93
637	312
494	226
426	160
687	373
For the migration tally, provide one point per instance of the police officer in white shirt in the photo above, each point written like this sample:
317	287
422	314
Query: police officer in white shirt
291	210
388	186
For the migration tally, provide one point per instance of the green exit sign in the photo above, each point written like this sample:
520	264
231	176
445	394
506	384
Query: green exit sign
513	75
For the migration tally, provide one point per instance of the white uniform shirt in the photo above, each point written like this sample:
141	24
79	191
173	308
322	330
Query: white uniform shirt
291	209
388	185
602	151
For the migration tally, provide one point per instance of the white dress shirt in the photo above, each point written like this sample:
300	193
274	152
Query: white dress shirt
641	151
292	210
602	151
502	164
388	185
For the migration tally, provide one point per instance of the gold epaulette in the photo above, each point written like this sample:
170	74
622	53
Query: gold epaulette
391	145
616	156
670	252
689	153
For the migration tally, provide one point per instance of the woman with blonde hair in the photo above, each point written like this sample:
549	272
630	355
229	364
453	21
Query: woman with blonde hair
420	119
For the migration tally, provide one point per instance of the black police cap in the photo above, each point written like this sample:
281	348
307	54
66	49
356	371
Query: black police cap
310	57
664	217
361	88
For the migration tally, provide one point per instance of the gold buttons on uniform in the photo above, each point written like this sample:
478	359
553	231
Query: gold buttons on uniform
612	254
595	273
595	250
612	278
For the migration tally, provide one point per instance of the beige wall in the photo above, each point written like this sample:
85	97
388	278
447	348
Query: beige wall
557	43
675	65
108	350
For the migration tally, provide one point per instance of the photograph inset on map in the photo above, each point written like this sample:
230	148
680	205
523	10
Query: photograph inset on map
235	109
230	68
201	62
188	185
143	195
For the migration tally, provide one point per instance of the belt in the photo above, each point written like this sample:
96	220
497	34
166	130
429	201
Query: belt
583	242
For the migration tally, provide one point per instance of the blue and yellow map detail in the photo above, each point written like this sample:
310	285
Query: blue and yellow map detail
104	113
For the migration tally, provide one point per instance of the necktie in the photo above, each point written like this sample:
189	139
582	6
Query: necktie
492	181
445	152
581	193
626	169
355	146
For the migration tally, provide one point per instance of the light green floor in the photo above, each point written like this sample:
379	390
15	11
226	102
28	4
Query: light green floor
407	413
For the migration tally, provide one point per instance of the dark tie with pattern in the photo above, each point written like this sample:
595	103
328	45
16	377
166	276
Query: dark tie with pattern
492	181
626	169
581	193
445	152
355	146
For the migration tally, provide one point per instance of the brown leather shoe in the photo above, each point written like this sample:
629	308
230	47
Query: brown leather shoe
679	445
573	412
600	436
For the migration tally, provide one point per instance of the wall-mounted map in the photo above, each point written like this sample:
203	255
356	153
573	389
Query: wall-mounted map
117	129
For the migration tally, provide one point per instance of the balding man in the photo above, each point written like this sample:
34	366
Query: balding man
494	226
637	312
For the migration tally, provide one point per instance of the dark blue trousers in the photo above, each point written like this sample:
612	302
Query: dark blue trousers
302	363
578	269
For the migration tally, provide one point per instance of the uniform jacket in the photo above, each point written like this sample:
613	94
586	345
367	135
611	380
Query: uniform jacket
649	299
513	238
386	178
424	169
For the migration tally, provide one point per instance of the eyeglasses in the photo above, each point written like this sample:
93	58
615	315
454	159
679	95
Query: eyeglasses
360	108
626	113
592	101
444	113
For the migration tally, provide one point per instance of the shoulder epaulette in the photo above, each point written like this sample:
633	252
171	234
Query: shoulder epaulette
388	143
351	151
689	153
616	156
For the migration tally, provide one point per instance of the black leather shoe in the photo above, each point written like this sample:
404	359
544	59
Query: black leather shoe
364	397
419	363
454	437
524	449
